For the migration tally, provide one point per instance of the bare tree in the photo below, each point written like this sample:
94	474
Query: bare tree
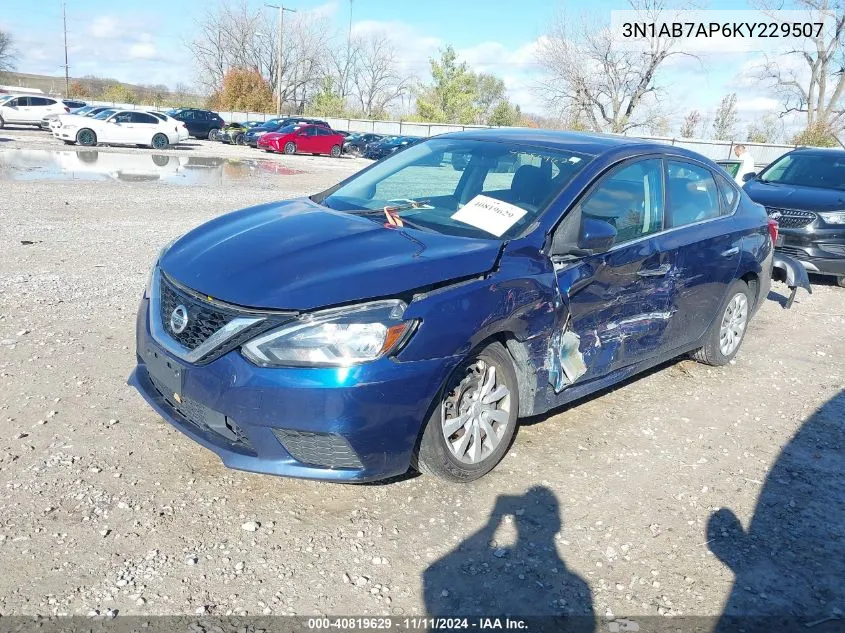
588	78
7	52
689	128
377	80
726	118
817	86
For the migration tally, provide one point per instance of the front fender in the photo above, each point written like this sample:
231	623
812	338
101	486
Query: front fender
792	273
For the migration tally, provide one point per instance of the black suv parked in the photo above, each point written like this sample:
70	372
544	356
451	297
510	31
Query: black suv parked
200	123
804	191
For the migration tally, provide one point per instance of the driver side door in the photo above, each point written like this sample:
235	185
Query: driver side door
306	139
617	304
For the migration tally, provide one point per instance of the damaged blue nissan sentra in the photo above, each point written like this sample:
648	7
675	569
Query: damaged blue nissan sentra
410	315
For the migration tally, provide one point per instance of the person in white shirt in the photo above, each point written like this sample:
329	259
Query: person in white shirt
747	165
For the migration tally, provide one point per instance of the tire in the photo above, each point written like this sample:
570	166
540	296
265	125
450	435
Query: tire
290	147
355	151
2	123
160	141
716	351
335	151
213	134
86	137
840	281
238	140
462	457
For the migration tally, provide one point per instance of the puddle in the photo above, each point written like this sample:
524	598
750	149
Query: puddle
94	165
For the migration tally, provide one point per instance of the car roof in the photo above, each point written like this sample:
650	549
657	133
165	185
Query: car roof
820	151
583	142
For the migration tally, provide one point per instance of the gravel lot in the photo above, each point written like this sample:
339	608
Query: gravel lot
603	507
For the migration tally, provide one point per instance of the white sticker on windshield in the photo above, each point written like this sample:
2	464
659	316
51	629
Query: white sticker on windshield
489	214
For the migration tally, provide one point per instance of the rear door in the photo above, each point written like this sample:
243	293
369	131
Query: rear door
143	127
708	243
620	303
324	140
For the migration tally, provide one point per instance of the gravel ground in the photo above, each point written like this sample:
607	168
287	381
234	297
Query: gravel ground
613	506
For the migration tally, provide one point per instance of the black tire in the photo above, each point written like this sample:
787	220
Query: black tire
160	141
433	456
335	151
86	137
213	134
290	147
238	139
711	352
840	281
2	123
355	151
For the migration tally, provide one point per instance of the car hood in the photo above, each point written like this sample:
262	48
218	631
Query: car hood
298	255
257	132
794	197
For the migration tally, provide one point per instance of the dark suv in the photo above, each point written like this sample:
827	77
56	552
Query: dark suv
200	123
804	191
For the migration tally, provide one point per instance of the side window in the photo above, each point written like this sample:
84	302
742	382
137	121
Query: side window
122	117
21	101
187	116
692	194
728	195
141	117
37	101
630	199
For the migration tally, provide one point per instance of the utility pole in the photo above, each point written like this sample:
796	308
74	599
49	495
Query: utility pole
67	75
282	10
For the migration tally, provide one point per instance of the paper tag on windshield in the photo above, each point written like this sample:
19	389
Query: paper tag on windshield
489	214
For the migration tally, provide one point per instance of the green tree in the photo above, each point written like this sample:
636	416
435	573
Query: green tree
504	114
818	135
489	92
766	130
451	97
726	119
118	93
326	101
243	89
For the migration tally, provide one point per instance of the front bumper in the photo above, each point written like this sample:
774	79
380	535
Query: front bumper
820	250
377	409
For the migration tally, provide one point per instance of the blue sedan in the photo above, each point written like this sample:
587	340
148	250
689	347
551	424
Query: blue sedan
411	315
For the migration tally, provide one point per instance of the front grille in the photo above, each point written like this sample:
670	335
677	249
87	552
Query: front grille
204	318
318	449
792	218
198	416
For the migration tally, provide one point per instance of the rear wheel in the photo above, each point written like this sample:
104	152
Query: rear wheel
159	141
290	147
840	281
471	427
214	134
727	331
86	137
238	140
335	151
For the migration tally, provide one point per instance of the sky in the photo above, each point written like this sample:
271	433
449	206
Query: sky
145	42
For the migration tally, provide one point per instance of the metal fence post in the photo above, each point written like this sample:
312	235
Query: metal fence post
730	149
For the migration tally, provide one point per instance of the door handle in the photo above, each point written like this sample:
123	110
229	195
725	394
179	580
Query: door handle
730	252
655	272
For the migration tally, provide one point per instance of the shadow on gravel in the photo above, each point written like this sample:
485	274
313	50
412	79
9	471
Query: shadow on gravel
484	578
791	560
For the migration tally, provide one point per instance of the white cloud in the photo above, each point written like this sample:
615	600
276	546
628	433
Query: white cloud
106	27
143	50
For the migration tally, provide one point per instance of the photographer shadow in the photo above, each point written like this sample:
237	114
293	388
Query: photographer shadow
483	578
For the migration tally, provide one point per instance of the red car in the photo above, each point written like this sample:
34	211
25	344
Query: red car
305	139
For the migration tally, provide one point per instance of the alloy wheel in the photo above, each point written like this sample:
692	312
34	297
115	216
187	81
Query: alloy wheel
475	414
734	321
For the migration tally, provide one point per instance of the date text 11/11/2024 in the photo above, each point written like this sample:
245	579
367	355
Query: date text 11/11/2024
417	624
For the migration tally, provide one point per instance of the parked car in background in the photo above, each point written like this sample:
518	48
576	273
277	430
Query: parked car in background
233	132
730	165
89	111
74	105
804	191
252	135
355	143
19	110
302	139
117	127
389	145
200	123
409	316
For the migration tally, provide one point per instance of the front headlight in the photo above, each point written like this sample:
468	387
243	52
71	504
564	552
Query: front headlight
334	338
833	217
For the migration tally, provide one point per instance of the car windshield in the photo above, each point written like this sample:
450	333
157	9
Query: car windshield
105	114
461	187
84	110
811	169
267	127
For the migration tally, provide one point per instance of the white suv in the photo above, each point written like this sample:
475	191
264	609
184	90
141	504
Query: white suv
29	110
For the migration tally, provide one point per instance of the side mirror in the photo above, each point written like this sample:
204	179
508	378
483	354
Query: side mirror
749	176
597	236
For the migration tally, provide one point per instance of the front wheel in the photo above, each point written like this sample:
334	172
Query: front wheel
840	281
86	137
214	134
290	147
726	333
471	427
238	140
2	123
159	141
335	151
